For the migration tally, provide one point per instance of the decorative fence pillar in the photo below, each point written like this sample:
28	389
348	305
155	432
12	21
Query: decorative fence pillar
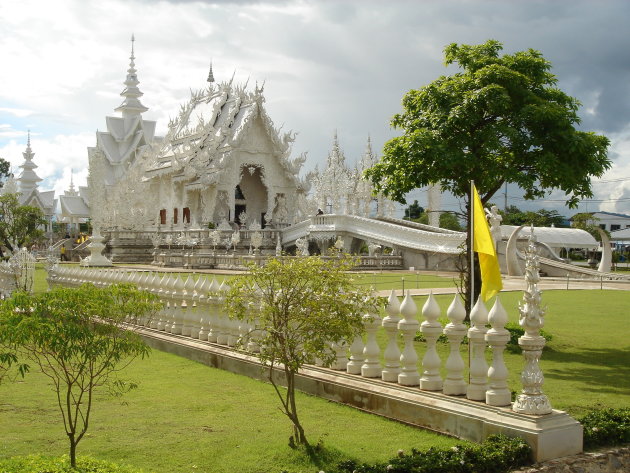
213	300
408	326
431	329
391	369
532	400
455	331
372	364
356	356
476	338
497	337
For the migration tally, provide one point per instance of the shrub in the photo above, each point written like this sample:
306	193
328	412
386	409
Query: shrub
496	455
36	463
606	427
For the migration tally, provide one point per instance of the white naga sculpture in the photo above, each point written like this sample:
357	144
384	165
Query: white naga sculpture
302	246
494	219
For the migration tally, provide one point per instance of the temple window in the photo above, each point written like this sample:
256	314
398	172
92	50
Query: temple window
163	217
186	215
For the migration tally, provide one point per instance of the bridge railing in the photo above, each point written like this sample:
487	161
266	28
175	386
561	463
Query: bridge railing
194	308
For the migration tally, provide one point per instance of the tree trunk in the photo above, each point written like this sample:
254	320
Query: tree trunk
298	430
73	452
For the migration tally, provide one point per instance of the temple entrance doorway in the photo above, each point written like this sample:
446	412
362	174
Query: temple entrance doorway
253	199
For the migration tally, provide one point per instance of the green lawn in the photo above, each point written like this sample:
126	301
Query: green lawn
188	417
587	363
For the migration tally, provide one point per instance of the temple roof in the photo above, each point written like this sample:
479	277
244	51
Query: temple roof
555	237
207	128
73	206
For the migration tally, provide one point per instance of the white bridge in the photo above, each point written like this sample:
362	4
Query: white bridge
421	246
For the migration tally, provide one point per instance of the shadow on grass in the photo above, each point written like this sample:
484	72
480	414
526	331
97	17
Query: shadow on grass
605	370
320	456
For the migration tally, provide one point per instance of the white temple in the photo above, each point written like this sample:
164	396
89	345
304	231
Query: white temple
221	161
28	188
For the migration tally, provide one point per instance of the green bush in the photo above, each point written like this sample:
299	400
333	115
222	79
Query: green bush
496	455
606	427
40	464
515	330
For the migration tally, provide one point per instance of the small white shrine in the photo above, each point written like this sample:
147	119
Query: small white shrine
27	185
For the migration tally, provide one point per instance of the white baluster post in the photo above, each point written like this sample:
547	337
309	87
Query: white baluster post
497	337
477	341
455	331
391	370
371	353
431	329
408	326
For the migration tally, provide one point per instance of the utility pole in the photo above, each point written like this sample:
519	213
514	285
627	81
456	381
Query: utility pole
505	198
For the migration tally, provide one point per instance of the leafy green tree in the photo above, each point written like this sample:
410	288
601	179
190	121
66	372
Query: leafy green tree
499	119
20	225
539	218
78	339
448	220
413	211
299	306
5	170
588	222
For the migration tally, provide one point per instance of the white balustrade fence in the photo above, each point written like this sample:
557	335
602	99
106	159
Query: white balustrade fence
195	308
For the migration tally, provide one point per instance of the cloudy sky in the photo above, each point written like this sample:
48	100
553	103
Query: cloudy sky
328	65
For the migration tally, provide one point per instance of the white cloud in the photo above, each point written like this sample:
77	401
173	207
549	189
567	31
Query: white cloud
328	65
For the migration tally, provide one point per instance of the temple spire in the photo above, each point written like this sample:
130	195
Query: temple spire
71	190
210	74
131	105
28	179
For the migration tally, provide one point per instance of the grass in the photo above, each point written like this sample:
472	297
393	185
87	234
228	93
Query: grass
587	362
188	417
197	417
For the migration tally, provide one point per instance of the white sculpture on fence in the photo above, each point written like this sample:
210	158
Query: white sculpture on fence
22	264
494	219
532	400
302	246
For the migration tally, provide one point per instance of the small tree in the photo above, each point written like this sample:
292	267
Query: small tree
300	307
20	225
5	170
78	339
413	211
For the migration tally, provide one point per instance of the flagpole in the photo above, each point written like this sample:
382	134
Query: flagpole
471	270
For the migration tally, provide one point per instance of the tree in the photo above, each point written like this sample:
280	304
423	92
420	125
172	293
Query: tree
299	306
539	218
448	220
78	339
499	119
19	224
5	170
588	222
413	211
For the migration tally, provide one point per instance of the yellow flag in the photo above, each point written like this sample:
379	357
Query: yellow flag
484	246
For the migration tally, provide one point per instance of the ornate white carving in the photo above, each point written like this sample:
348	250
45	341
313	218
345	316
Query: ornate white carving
302	246
532	400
